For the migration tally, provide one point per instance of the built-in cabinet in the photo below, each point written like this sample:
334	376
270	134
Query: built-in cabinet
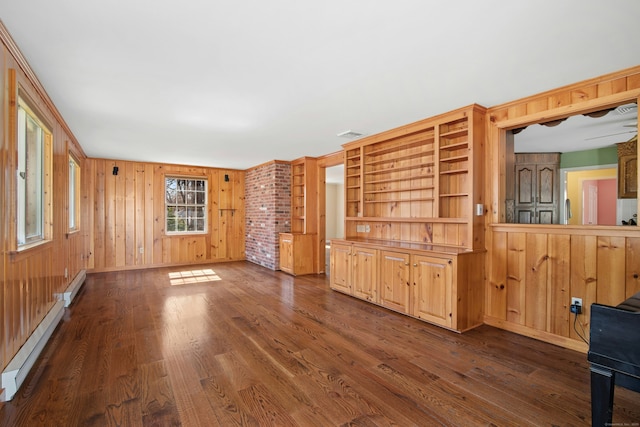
414	209
628	169
354	270
298	249
296	253
440	285
537	188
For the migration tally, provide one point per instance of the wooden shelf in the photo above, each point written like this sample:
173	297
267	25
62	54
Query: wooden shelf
454	158
418	199
387	147
395	190
456	133
453	171
410	178
408	219
398	169
454	195
408	156
455	146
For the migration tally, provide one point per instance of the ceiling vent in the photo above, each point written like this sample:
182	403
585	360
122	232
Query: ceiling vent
350	134
625	109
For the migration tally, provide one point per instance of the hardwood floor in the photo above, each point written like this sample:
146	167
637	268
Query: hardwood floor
236	344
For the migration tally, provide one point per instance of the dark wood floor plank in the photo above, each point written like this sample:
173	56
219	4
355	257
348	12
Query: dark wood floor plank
157	401
254	347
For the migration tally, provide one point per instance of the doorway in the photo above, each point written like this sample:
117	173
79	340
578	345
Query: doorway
334	205
590	196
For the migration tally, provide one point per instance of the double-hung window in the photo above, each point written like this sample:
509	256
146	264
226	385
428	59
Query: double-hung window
185	205
33	187
74	194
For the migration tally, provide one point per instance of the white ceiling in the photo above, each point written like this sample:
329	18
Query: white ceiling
237	83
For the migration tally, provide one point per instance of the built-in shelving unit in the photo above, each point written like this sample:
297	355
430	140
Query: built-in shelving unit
298	253
414	220
417	182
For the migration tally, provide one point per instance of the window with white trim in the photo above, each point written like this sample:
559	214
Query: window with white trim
33	176
74	194
185	205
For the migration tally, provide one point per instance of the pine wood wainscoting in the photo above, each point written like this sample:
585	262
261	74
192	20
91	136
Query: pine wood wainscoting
238	344
31	277
128	227
534	271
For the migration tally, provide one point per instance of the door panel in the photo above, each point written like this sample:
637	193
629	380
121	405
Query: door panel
340	258
365	274
432	280
394	281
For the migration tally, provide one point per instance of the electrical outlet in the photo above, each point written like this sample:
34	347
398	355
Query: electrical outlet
576	305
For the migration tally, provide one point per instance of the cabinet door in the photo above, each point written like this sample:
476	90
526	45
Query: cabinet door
365	273
525	194
537	188
340	268
432	289
394	281
547	188
286	253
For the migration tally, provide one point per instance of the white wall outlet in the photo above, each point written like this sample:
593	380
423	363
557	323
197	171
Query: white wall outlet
360	228
479	209
576	301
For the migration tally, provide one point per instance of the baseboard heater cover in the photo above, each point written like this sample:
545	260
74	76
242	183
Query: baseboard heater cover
17	370
70	293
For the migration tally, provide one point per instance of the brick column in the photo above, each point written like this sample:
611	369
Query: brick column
267	210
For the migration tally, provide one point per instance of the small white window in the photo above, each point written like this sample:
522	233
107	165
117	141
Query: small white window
33	179
186	205
74	194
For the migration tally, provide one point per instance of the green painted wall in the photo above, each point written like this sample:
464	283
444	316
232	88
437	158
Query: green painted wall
598	156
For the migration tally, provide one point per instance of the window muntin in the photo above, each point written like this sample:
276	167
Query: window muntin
33	181
185	205
74	194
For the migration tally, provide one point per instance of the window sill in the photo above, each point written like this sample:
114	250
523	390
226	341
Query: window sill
30	248
72	232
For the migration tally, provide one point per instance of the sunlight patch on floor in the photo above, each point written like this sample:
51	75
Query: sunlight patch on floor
193	276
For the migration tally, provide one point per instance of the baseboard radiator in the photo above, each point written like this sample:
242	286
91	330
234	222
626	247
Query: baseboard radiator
17	370
70	293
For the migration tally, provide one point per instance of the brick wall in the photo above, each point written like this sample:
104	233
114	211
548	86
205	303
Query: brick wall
268	211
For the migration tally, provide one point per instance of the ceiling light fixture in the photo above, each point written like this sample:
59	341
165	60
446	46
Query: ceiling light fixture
350	134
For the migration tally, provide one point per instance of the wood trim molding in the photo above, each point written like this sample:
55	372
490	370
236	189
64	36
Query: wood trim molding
24	66
565	111
621	74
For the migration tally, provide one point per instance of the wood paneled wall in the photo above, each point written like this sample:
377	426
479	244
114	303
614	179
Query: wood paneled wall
31	277
534	270
128	229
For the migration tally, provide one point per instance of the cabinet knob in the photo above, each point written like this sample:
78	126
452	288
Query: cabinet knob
415	264
406	263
